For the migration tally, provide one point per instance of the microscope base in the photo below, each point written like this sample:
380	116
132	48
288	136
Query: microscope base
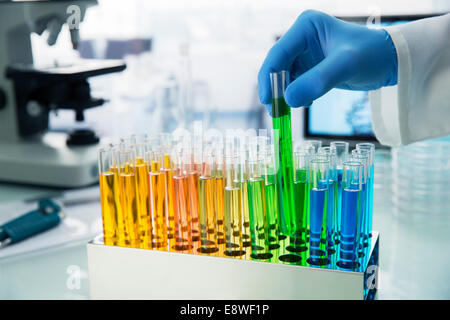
48	161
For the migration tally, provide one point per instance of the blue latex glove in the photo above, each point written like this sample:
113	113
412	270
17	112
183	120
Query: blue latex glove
322	52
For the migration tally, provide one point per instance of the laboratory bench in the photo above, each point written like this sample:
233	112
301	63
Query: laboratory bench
414	260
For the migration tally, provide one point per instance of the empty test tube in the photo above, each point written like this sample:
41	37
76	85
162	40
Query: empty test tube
352	178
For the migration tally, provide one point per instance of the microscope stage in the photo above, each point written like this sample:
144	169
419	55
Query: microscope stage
49	162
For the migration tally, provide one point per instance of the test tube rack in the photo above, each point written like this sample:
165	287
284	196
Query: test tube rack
131	273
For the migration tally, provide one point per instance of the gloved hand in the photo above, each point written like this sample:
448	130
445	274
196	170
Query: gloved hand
322	52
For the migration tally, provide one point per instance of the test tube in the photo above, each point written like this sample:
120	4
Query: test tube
168	169
305	146
117	195
158	200
138	138
219	180
302	193
194	170
257	211
108	195
143	194
233	208
318	213
371	148
270	191
281	121
316	144
341	149
182	221
352	177
243	189
207	205
127	183
363	156
332	203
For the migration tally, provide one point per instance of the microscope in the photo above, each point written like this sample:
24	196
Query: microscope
29	153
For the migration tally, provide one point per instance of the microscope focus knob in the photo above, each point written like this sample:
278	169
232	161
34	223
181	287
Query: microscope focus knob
3	99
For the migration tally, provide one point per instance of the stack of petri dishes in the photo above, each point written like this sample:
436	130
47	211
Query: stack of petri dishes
420	180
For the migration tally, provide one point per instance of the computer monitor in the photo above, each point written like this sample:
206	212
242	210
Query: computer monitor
344	114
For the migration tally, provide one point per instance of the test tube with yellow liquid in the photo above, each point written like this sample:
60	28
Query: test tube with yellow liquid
243	189
143	194
158	200
108	192
168	169
114	168
207	205
220	204
233	209
129	204
182	219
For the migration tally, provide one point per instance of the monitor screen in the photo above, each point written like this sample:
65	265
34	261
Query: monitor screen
343	113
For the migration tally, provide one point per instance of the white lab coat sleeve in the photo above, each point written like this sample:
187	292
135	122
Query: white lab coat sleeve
418	107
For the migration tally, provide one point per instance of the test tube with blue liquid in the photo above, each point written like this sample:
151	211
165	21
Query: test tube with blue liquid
363	156
318	213
352	177
370	147
340	148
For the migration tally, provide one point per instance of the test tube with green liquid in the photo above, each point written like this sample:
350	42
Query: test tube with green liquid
281	121
257	211
270	189
298	242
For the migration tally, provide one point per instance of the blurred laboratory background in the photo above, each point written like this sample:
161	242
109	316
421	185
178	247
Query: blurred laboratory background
198	60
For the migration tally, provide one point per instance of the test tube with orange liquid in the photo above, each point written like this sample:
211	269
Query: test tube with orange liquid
182	219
